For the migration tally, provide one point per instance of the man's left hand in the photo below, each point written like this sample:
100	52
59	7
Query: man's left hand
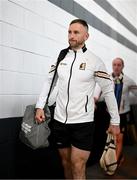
114	129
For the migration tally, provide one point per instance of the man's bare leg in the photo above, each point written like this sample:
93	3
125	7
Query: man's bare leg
65	154
78	162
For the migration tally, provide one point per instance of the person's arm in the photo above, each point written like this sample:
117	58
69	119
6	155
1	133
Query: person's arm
132	87
106	85
43	96
53	95
97	93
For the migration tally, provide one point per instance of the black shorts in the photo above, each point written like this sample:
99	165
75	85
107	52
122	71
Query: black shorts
124	118
79	135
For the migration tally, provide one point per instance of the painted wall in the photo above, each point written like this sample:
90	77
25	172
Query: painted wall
32	32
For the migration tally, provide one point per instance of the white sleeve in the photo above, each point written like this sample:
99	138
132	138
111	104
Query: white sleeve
106	85
45	90
132	87
53	95
97	92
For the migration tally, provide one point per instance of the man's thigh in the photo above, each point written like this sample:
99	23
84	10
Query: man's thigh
79	155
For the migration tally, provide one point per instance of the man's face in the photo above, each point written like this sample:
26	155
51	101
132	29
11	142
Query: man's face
77	35
117	66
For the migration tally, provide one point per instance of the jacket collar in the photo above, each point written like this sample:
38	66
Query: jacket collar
83	49
119	78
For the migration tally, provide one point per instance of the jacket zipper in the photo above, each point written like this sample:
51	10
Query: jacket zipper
86	104
69	86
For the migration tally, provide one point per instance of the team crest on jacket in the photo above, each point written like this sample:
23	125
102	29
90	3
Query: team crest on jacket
82	66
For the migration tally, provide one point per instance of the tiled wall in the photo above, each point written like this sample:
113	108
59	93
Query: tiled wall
30	40
32	32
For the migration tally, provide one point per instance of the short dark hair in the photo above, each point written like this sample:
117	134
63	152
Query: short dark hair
80	21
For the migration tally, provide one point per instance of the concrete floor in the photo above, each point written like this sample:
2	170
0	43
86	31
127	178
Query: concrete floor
128	169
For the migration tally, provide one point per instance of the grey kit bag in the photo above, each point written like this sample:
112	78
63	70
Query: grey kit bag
33	134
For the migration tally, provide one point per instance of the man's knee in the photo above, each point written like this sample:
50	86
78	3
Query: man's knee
65	157
66	162
78	164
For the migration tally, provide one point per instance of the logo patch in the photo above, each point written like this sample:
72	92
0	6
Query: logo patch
26	128
63	64
82	66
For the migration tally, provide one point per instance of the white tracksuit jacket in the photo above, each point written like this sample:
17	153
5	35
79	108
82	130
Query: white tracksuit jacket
78	73
128	86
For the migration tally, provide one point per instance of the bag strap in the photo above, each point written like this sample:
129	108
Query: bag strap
61	56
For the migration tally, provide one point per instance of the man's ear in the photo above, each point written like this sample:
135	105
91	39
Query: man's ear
87	36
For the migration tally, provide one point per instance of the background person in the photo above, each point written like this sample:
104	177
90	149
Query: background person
123	85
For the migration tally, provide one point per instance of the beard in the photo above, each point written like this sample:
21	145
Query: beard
76	44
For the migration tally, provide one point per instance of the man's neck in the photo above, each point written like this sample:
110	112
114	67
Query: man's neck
116	74
77	48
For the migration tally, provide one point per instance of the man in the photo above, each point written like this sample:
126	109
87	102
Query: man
123	85
73	125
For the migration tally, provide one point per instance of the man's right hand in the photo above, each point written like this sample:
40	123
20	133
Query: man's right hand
40	117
